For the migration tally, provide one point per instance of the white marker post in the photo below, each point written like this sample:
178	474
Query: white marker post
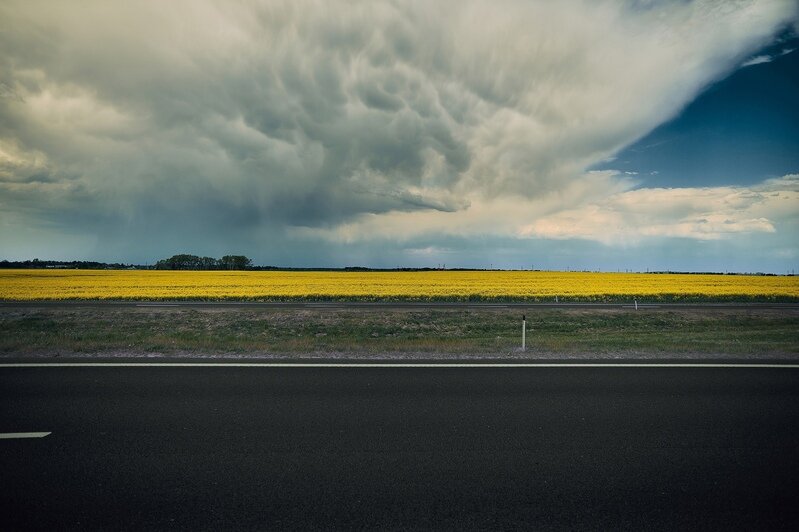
524	332
636	304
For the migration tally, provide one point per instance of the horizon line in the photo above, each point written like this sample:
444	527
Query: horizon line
65	264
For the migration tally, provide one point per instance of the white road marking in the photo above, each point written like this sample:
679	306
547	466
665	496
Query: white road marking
16	435
158	304
388	365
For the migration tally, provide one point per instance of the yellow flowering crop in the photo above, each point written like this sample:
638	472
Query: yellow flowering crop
429	285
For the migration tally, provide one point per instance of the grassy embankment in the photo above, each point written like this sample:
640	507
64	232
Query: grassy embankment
397	333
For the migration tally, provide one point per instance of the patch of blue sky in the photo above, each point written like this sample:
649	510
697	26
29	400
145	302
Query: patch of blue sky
739	131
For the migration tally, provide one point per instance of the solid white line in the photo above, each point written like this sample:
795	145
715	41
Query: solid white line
158	304
15	435
384	365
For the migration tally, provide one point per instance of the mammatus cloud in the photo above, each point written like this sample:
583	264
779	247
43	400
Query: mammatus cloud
208	125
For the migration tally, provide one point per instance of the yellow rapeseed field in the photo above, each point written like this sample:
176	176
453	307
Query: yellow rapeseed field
432	285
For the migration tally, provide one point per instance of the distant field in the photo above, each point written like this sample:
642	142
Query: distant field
23	285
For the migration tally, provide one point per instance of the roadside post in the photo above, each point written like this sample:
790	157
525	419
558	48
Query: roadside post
636	303
524	331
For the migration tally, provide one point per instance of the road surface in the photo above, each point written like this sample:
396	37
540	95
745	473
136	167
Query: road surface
200	448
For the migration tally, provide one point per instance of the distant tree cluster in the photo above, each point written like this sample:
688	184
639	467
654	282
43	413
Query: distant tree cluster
72	265
193	262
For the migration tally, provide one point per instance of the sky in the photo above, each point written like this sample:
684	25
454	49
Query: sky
591	135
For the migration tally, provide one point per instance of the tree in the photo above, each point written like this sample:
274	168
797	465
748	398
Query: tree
235	262
193	262
179	262
209	263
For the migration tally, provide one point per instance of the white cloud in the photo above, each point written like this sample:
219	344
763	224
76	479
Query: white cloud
602	206
759	59
711	213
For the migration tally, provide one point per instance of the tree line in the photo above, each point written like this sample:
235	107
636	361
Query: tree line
193	262
72	264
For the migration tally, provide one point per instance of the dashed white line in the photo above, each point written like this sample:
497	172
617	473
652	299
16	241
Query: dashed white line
19	435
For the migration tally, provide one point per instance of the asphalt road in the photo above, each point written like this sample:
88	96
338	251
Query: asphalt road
392	305
196	448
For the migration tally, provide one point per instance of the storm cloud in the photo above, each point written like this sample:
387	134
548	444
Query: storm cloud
138	129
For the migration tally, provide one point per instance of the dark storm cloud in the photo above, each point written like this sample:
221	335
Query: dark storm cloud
212	123
264	135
